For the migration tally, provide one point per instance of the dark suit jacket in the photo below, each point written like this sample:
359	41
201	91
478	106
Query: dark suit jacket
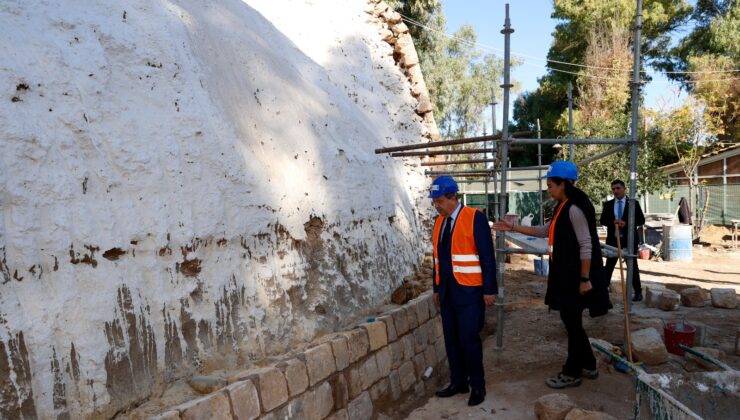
607	219
464	295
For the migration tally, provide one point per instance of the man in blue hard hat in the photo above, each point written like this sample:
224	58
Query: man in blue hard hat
464	284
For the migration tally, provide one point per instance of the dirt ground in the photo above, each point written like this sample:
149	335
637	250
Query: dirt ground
535	341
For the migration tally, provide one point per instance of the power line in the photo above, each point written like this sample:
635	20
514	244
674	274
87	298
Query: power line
488	47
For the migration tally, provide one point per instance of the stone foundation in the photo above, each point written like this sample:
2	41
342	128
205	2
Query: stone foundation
352	374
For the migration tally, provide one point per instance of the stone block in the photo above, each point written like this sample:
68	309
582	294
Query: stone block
319	363
579	414
407	376
433	310
419	390
669	300
272	387
244	400
319	402
293	410
339	415
370	373
361	407
553	407
384	360
723	298
211	406
411	315
692	297
652	294
390	328
438	331
381	391
296	376
648	346
341	352
206	384
420	339
678	287
376	333
420	365
167	415
439	348
401	321
431	334
341	392
354	382
395	383
408	346
430	356
397	352
422	309
357	344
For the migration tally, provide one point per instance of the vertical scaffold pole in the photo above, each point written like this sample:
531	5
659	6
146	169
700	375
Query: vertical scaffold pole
572	150
503	164
633	156
539	172
494	145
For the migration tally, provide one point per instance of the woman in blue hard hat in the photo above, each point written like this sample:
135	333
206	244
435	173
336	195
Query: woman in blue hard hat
575	280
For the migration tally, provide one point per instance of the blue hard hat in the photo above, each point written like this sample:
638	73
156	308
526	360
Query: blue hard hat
442	185
562	169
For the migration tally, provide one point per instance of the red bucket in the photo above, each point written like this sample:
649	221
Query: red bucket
645	254
678	333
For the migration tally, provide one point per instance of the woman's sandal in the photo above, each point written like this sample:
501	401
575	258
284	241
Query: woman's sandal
562	380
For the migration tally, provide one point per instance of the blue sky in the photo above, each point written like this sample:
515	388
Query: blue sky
532	37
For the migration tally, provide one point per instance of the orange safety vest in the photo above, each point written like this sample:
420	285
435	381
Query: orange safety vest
465	260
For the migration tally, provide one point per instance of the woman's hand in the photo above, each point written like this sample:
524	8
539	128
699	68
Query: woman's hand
503	225
585	287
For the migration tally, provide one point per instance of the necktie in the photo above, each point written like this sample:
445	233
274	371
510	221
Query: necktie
446	232
620	208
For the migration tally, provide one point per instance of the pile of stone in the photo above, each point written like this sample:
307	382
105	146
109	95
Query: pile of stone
560	407
669	297
395	32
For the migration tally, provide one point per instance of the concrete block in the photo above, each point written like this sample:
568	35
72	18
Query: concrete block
211	406
723	298
296	376
407	375
648	346
272	387
397	352
341	352
384	361
361	407
401	321
409	346
692	297
390	328
319	402
245	400
376	333
553	406
319	363
357	344
669	300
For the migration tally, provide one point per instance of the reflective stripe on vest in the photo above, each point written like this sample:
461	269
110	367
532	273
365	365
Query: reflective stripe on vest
465	260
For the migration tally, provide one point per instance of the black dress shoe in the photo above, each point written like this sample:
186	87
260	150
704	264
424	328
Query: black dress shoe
477	396
637	298
451	390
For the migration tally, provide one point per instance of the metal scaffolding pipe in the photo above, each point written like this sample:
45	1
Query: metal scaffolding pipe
451	152
458	162
539	173
527	168
570	122
461	172
445	143
567	141
602	155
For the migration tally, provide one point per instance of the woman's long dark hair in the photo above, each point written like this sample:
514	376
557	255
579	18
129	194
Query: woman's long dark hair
579	198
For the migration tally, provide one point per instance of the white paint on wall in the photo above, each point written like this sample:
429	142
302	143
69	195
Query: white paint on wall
204	140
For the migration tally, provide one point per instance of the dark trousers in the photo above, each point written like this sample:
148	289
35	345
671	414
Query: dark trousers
462	325
580	355
609	269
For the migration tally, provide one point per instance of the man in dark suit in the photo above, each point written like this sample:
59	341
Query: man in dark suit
614	217
464	284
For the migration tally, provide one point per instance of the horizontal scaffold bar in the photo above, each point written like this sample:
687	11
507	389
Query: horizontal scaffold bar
602	155
451	152
447	142
569	141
